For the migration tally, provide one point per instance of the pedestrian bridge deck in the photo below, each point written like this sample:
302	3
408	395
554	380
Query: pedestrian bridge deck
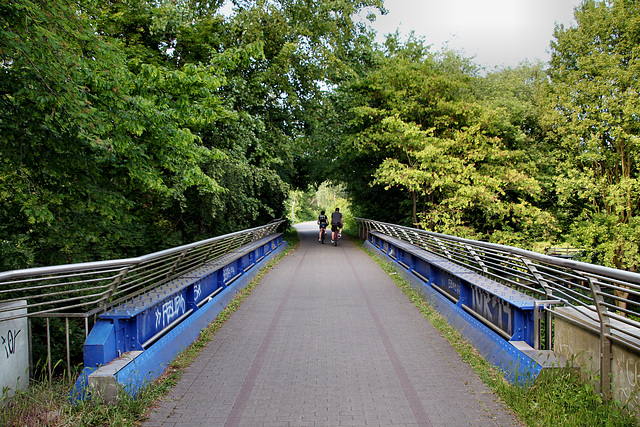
327	339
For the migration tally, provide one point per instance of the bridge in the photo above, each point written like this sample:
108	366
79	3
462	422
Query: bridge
327	338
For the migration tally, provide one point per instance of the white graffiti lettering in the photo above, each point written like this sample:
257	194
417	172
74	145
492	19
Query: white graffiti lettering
493	309
197	291
170	311
626	374
228	272
454	286
158	319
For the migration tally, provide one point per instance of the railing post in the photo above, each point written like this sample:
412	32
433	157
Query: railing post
476	257
212	248
66	329
49	351
605	341
176	264
112	288
442	247
30	337
548	292
365	229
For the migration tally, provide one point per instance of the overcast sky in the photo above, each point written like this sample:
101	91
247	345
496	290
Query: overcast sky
497	32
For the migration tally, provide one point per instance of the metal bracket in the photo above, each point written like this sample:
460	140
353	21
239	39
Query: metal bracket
536	322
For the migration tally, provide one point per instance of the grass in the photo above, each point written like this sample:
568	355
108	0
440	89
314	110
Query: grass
558	399
47	404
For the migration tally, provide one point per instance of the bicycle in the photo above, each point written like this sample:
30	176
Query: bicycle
322	234
335	230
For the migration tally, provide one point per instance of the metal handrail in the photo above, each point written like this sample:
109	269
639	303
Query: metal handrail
83	289
87	289
609	296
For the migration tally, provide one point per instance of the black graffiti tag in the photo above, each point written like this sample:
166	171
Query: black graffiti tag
9	342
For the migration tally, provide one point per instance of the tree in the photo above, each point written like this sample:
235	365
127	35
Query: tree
592	112
279	55
94	155
417	121
129	126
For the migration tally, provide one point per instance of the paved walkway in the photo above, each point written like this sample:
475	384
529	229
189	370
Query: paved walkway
327	339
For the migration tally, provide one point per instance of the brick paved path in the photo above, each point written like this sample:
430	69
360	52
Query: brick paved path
327	339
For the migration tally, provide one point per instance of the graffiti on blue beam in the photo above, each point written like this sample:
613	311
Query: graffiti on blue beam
493	308
506	311
138	323
497	320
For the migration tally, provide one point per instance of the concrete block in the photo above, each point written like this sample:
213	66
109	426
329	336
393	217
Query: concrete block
103	382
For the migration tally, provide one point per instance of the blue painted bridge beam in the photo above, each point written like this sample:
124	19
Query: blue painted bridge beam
132	344
497	320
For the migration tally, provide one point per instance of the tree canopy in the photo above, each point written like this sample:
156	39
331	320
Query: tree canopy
592	111
424	126
131	126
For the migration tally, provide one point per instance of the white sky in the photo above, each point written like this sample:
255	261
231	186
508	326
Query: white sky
496	32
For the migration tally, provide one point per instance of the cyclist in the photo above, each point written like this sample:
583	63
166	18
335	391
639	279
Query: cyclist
336	225
322	222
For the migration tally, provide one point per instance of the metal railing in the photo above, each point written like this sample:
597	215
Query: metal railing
610	297
83	291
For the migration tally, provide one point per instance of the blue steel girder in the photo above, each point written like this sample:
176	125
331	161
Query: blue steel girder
506	311
138	323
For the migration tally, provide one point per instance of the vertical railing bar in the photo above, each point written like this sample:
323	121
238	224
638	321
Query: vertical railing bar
536	321
174	267
30	342
536	325
212	247
49	351
548	329
66	326
114	285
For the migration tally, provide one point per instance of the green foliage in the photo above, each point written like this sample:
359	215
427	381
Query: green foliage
416	124
592	104
128	127
94	154
47	404
563	398
307	205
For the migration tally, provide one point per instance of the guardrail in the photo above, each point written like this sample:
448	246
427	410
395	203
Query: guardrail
83	291
609	296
